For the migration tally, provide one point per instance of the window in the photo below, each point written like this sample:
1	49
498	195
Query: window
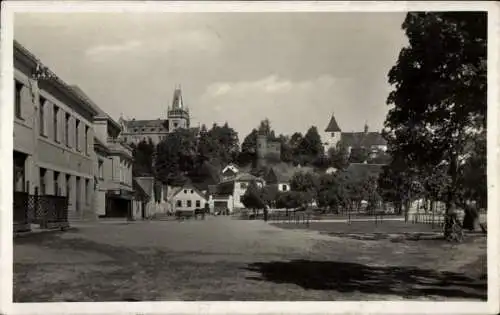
179	203
101	169
57	190
18	88
198	204
125	139
284	187
87	196
77	135
56	120
87	140
185	191
189	203
42	116
43	188
152	129
243	185
192	191
66	129
78	192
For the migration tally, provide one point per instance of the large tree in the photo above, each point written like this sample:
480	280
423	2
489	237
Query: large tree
143	153
176	157
439	96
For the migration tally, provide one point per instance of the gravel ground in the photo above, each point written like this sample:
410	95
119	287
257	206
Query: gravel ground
225	259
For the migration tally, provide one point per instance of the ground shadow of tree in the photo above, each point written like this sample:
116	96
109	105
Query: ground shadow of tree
408	282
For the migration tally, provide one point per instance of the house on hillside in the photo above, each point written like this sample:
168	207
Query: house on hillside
230	171
231	191
281	175
368	140
186	198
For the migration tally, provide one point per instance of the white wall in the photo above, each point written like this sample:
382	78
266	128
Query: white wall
187	195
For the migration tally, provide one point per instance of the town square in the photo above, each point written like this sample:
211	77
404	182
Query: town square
250	156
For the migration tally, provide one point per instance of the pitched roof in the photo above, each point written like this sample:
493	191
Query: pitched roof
362	139
284	172
188	186
148	123
146	184
139	190
332	125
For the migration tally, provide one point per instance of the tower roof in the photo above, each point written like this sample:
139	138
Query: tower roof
332	125
177	102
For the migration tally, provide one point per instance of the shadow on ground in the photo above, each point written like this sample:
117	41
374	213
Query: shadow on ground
408	282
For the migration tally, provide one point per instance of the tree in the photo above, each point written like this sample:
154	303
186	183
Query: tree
358	155
269	194
307	184
252	199
332	193
311	146
176	157
338	157
396	184
143	158
439	96
248	152
223	142
286	149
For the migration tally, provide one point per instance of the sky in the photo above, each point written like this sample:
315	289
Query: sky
296	69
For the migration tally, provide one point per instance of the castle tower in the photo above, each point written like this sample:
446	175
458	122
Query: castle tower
332	135
261	149
178	114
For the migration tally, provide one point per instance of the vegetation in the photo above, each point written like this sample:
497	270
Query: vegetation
439	109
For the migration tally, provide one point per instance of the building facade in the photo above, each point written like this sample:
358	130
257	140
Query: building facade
233	189
112	166
267	150
369	140
135	131
187	199
53	136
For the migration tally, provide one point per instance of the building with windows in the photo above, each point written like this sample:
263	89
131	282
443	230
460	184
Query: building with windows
112	165
281	175
53	136
187	198
231	191
135	131
369	140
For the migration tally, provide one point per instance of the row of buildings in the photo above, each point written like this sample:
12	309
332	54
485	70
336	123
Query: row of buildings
66	145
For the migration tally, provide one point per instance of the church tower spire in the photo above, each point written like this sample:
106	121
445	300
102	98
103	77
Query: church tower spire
177	102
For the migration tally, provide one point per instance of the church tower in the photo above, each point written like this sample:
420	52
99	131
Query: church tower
332	134
178	114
